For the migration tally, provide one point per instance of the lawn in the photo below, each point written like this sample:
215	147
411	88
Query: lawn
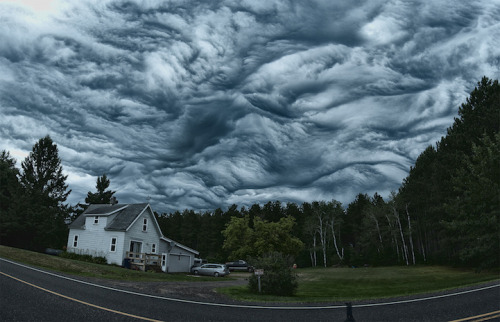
75	267
315	284
341	284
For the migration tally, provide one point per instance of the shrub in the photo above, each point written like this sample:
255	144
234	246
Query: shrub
84	258
279	278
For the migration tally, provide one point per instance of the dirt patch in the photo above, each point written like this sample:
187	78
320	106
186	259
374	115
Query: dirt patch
200	291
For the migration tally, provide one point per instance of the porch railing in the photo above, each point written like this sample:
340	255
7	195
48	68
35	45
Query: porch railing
141	260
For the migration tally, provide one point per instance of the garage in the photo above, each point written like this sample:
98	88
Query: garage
178	263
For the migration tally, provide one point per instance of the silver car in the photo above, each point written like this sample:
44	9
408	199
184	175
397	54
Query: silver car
211	270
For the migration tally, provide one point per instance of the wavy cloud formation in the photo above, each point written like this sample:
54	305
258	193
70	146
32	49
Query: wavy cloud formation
202	105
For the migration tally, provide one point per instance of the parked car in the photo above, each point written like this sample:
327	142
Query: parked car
239	265
197	263
211	270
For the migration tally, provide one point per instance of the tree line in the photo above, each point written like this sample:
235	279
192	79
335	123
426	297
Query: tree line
445	212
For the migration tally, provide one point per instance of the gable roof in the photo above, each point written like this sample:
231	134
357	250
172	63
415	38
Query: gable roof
125	215
168	240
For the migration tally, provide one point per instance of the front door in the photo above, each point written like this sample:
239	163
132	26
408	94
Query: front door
164	262
135	249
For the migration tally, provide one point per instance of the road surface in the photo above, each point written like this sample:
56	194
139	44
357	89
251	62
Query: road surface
31	294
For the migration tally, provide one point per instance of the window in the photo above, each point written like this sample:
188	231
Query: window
153	248
75	241
96	219
145	224
113	244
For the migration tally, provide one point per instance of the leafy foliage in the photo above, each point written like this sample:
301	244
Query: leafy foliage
243	241
279	277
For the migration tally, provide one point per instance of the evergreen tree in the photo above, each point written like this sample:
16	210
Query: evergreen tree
46	191
450	194
11	221
102	196
476	214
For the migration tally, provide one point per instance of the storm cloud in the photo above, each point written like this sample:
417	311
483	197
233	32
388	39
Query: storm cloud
200	105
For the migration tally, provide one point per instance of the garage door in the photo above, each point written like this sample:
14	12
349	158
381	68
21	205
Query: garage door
179	263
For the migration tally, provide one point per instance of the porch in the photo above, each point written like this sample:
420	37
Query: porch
143	261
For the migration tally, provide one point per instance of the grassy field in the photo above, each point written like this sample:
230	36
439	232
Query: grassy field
340	284
89	269
315	284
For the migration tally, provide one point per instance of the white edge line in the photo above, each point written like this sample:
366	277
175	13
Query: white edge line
253	306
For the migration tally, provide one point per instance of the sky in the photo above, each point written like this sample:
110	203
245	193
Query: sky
204	104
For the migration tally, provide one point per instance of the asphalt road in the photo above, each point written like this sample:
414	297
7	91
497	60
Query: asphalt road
28	294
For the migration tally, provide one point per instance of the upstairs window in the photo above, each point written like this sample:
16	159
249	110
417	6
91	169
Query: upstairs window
145	224
113	244
75	241
96	220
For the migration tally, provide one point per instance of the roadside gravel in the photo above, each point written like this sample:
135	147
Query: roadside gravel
206	291
196	291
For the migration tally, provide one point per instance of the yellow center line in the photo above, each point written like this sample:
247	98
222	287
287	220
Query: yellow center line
488	318
485	317
79	301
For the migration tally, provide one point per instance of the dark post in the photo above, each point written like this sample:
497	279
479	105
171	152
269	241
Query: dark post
350	318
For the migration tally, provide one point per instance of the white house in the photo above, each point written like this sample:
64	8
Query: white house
112	231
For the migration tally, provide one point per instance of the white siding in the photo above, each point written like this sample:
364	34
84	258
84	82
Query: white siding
178	258
95	241
147	238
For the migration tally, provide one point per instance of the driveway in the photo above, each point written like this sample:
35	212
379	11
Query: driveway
199	291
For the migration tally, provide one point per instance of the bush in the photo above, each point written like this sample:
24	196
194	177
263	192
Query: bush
84	258
279	278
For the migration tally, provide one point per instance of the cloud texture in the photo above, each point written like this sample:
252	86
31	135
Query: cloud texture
201	105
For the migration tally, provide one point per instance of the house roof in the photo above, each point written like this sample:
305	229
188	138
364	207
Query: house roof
126	214
168	240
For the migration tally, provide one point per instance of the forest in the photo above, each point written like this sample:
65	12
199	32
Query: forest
446	210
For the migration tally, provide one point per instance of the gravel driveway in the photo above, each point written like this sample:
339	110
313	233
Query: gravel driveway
197	291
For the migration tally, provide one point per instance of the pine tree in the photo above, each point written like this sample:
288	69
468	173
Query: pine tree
102	196
11	222
46	191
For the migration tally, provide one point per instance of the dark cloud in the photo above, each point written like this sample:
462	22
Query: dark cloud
202	105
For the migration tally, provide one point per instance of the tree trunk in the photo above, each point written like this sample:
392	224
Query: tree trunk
314	251
393	235
332	226
378	231
322	237
411	239
405	249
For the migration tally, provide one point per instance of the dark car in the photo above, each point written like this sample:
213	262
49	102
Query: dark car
211	270
239	265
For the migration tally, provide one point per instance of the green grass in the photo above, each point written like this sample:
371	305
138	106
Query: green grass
340	284
81	268
315	284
